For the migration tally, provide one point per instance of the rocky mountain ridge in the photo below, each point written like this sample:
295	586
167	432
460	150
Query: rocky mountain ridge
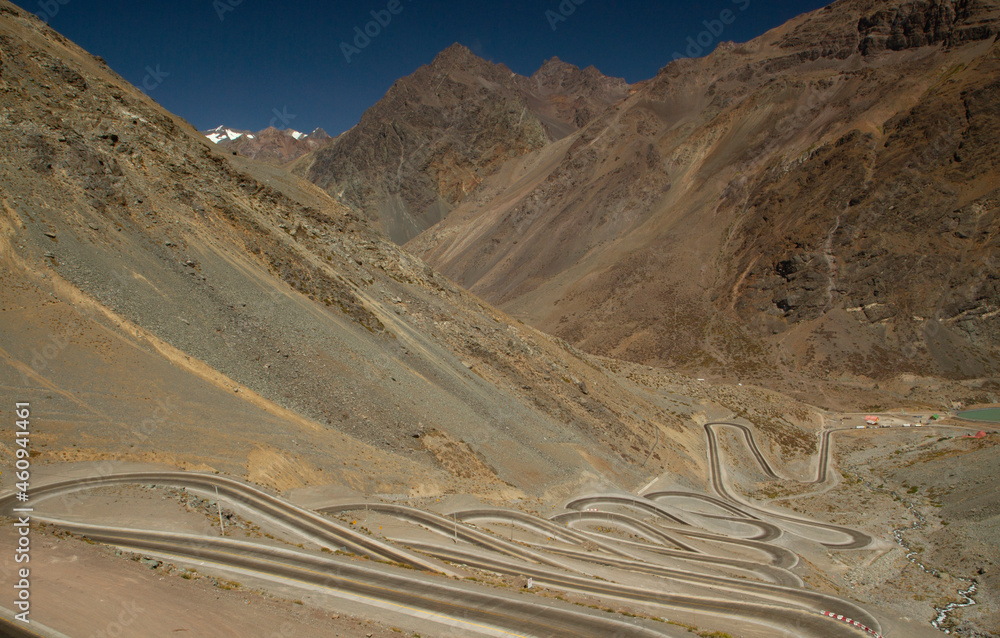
818	201
438	133
271	145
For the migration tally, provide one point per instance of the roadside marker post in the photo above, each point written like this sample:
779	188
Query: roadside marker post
222	526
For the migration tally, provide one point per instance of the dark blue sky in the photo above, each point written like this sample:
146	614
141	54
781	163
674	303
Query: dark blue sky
261	59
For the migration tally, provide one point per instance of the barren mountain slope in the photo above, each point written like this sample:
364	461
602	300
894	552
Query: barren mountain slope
823	199
421	149
165	302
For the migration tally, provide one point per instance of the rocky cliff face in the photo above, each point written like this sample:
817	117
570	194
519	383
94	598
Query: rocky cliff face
820	200
434	137
892	224
918	24
572	95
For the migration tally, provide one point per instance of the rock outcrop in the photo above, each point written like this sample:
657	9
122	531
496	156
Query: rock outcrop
923	23
438	133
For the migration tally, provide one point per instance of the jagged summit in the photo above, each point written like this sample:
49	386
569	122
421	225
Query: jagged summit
554	61
454	122
457	54
273	145
223	132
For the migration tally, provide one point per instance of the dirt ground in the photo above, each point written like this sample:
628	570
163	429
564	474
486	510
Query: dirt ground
135	600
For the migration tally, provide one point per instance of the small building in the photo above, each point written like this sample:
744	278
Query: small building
871	419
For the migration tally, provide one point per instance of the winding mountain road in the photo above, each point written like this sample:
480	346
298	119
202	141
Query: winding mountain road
858	539
320	529
457	603
433	591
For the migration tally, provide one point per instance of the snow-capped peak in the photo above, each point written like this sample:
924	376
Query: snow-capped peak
220	133
223	133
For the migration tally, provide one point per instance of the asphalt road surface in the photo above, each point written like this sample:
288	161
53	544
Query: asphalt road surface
776	599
